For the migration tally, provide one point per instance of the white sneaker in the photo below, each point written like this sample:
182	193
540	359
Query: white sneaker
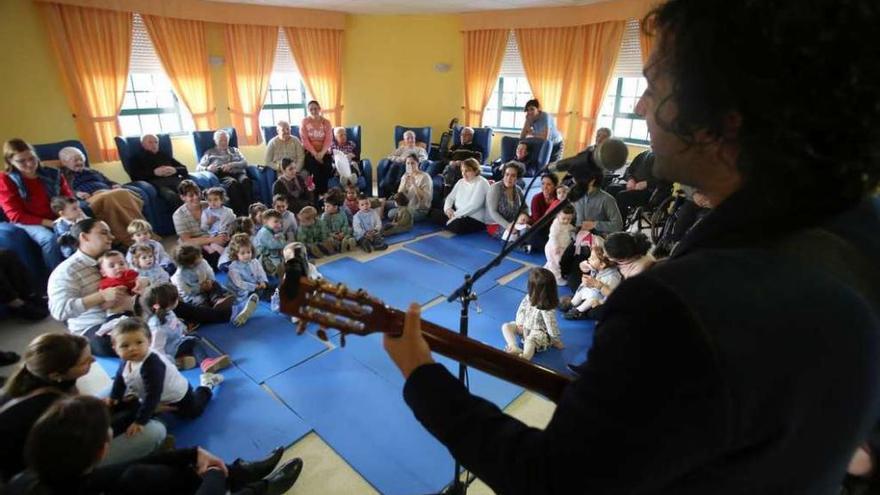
210	380
242	317
294	320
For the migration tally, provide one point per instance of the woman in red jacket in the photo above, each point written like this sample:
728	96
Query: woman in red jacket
26	189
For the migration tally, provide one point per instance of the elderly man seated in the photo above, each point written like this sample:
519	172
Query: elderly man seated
106	199
466	148
159	169
397	165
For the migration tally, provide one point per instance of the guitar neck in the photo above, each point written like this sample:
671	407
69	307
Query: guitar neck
475	354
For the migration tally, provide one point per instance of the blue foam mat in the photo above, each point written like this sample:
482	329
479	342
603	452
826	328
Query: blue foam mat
242	419
381	279
364	418
461	255
265	346
419	229
425	273
483	241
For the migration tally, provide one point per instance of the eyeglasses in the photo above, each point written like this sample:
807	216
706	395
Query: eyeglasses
22	161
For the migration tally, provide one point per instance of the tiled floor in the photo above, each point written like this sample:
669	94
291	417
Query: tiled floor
325	472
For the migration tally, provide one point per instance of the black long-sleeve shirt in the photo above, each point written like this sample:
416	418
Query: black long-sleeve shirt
152	373
746	364
143	165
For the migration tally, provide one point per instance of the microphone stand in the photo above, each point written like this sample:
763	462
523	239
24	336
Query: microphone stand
465	294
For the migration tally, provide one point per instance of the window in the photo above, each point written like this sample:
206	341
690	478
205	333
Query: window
505	108
150	105
625	89
286	98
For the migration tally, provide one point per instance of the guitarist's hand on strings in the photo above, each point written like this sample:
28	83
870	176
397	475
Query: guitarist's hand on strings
409	350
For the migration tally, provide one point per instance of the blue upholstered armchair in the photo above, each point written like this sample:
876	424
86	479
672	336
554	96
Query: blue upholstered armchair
204	140
156	210
508	152
353	134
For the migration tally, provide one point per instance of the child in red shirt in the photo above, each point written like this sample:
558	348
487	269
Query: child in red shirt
115	272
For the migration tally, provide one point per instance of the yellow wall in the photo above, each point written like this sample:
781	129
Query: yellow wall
389	78
389	75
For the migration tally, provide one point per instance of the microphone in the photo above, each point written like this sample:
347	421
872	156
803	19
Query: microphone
610	155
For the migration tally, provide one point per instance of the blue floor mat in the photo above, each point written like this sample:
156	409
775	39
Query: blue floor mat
364	418
383	279
428	274
483	241
242	419
461	255
419	229
265	346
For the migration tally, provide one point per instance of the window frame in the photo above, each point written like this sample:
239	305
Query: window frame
617	114
504	108
286	106
177	109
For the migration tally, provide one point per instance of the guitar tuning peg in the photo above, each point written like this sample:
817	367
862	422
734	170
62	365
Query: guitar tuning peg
301	327
322	334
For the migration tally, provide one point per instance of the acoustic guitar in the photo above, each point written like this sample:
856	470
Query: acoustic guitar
356	312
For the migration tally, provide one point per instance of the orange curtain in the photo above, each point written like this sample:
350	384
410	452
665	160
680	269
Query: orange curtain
646	43
547	55
483	54
93	48
601	46
318	55
180	45
250	54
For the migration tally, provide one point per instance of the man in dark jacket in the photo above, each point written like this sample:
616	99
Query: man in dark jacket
749	362
162	171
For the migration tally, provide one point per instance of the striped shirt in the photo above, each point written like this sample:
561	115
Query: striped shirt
185	223
71	281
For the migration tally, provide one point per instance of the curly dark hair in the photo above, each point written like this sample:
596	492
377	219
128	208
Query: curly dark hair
801	77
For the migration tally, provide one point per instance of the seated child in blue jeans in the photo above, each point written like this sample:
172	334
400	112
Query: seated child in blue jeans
69	213
195	281
247	279
367	226
269	242
152	379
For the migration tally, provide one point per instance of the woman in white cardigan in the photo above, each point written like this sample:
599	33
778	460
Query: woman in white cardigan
465	206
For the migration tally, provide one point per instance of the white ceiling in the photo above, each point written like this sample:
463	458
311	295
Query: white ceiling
413	6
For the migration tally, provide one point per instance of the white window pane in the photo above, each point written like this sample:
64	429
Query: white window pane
276	80
266	118
490	118
130	125
128	101
280	97
612	87
604	121
296	95
161	83
643	84
607	106
170	122
188	124
150	124
639	130
507	119
519	120
622	127
629	86
508	99
627	104
165	99
146	100
142	82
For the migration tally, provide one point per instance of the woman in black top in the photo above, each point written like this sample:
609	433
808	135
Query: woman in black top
71	438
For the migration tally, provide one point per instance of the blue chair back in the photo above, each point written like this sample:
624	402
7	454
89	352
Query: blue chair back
130	146
423	135
270	131
49	151
508	148
482	136
204	140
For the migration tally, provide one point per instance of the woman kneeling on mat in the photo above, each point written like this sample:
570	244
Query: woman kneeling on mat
71	439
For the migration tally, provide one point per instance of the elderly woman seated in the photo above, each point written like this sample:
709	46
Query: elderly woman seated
348	148
228	164
284	145
107	199
505	200
397	163
465	206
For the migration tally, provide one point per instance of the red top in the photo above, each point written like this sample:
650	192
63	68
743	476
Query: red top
540	206
128	279
36	208
317	134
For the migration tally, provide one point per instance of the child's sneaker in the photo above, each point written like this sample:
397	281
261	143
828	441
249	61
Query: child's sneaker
244	315
574	314
213	365
366	246
516	351
348	244
210	380
185	362
565	303
381	246
328	247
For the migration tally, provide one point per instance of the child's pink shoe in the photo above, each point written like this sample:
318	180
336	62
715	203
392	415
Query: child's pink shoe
213	365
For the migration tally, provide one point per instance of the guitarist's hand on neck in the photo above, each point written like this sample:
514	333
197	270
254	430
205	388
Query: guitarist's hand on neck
410	350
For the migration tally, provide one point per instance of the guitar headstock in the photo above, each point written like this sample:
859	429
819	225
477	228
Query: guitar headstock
336	306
